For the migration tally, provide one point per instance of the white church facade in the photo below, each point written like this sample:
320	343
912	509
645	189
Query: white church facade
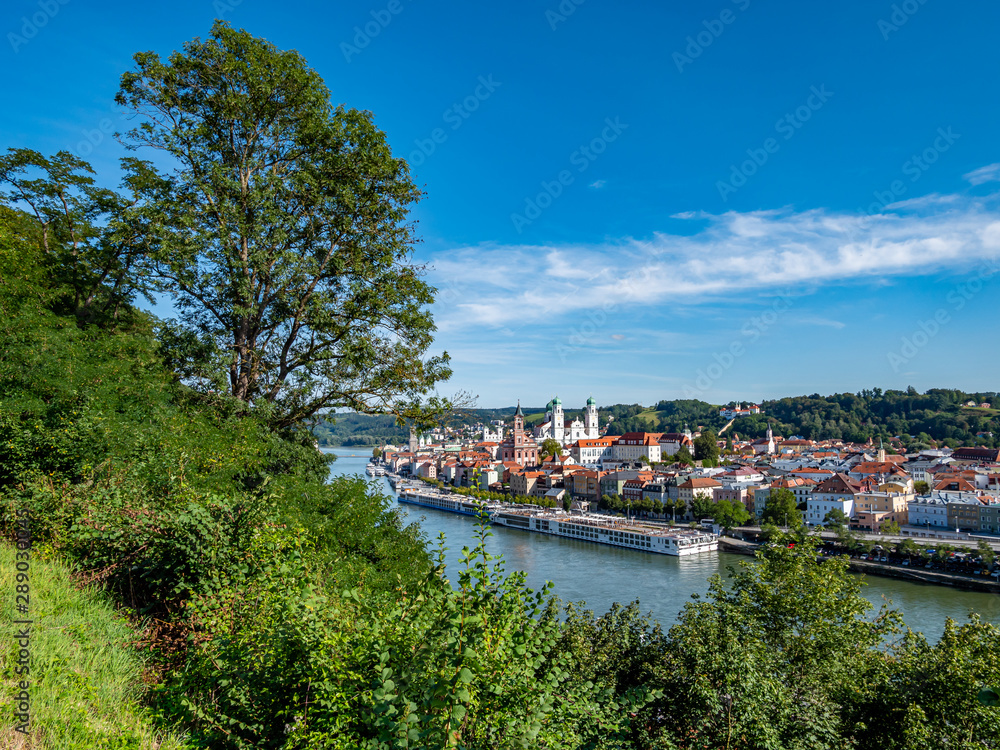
555	426
496	434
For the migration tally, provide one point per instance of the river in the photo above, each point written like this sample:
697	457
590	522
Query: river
602	575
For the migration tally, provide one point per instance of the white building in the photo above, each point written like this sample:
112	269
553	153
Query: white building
740	411
671	442
496	434
836	493
634	445
555	426
765	444
928	511
592	452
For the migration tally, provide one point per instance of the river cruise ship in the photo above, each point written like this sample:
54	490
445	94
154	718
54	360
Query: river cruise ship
467	506
617	533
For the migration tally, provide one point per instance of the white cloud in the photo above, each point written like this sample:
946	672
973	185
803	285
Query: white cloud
598	184
780	251
989	173
811	320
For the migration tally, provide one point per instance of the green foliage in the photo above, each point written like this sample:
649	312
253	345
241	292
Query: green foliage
483	664
706	448
836	519
986	553
927	696
890	527
702	506
918	419
730	513
766	659
781	508
350	428
549	447
85	681
282	233
93	264
684	457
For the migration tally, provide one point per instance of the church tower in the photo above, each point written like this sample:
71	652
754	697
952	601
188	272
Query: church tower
591	422
880	456
518	426
413	440
558	421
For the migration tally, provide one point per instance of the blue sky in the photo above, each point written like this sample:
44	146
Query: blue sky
635	201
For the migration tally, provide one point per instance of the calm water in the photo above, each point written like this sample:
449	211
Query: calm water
602	575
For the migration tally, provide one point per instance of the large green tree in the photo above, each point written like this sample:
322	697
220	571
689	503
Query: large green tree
771	657
550	447
279	224
730	513
706	448
781	508
702	506
92	264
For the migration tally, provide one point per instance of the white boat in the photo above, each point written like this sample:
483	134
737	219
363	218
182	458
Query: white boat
467	506
665	541
370	469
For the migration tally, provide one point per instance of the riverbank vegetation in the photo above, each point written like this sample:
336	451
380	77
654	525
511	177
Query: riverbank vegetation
268	606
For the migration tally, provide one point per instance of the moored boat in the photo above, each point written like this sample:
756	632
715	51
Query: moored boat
466	506
664	541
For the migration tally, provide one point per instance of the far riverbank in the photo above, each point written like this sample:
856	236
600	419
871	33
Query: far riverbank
905	573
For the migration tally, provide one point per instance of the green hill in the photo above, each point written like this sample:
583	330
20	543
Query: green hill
920	420
937	417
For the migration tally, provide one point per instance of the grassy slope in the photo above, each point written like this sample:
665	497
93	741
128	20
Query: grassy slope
650	417
85	683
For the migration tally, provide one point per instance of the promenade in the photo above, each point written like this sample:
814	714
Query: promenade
917	574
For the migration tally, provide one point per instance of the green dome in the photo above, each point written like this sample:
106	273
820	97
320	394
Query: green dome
591	402
557	400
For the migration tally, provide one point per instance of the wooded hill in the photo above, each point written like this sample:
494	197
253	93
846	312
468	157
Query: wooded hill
921	420
937	417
